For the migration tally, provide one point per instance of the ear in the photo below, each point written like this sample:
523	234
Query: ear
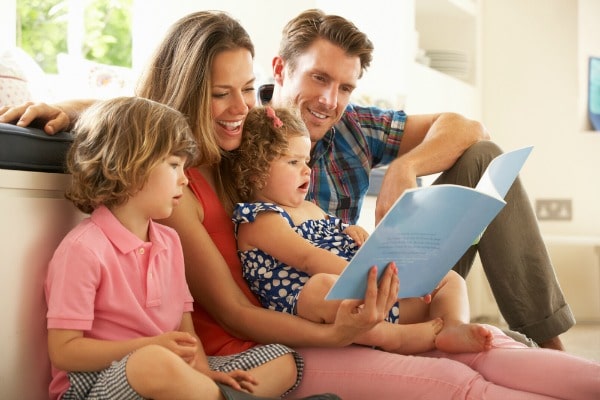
278	65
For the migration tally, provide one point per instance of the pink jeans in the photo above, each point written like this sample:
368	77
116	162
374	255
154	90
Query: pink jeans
508	371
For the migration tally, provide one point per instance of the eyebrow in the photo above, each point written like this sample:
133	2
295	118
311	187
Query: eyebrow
328	77
251	81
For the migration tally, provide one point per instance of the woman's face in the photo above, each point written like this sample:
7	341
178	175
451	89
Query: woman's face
233	94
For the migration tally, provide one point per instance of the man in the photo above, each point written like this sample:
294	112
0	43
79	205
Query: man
321	58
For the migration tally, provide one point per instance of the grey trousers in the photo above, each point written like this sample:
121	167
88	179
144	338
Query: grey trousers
514	256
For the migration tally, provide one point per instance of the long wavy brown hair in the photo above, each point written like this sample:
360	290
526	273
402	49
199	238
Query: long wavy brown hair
179	75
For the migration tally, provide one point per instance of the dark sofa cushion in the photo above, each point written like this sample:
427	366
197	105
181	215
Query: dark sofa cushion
31	149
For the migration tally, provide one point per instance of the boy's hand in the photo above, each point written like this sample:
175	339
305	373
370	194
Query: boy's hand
357	233
183	344
238	379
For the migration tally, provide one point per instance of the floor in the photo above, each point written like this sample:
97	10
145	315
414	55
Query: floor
583	340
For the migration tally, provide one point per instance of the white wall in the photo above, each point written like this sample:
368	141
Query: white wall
532	95
8	18
264	20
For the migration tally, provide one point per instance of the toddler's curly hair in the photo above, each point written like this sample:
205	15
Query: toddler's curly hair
263	140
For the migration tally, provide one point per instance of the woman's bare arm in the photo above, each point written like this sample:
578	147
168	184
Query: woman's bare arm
213	287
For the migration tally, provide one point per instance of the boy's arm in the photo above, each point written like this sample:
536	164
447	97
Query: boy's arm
69	350
240	380
199	361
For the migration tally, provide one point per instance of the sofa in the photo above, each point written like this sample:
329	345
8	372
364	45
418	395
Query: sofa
35	217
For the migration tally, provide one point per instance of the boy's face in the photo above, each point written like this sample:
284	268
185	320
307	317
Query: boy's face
320	85
289	175
163	189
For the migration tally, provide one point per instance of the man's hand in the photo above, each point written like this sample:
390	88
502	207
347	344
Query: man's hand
51	119
397	179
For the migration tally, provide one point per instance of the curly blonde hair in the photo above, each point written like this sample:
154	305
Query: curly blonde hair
262	142
117	142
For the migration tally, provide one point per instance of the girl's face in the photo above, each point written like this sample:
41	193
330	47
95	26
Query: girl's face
289	175
233	94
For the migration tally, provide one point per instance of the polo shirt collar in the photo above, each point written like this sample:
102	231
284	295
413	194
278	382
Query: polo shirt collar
122	238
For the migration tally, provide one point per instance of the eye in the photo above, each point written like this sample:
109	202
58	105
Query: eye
319	78
219	95
347	89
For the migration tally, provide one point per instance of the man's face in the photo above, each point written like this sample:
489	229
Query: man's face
320	85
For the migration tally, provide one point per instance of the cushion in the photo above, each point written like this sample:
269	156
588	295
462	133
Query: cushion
21	78
89	79
31	149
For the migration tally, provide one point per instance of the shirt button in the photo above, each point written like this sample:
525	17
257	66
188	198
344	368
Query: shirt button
141	250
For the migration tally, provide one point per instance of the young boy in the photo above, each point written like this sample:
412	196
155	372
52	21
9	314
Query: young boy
119	322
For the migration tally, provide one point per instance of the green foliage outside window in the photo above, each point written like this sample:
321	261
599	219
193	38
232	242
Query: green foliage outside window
42	31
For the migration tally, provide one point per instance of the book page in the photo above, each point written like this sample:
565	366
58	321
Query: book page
428	229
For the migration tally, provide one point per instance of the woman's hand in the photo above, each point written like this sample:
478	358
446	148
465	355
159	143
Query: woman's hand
355	317
238	379
51	119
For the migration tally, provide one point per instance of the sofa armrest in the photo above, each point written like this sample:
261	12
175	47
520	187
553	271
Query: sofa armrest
31	149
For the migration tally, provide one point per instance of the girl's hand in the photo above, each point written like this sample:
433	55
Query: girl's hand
357	233
183	344
238	379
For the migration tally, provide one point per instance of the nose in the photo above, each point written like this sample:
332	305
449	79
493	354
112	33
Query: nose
183	179
239	104
329	97
305	170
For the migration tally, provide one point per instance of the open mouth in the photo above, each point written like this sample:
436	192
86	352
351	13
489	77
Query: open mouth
304	186
230	126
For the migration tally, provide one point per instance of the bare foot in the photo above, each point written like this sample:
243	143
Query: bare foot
555	343
464	338
415	338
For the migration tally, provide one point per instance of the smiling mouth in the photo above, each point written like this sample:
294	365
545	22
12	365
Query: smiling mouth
317	114
230	126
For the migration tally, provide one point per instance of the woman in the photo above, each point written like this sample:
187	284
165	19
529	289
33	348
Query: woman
204	69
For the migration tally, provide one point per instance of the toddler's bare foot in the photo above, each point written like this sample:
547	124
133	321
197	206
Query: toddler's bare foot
464	338
416	338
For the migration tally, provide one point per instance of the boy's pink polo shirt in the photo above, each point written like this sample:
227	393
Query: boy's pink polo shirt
107	282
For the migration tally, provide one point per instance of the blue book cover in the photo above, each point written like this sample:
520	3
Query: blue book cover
428	229
594	92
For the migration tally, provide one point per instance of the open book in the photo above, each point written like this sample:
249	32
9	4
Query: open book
428	229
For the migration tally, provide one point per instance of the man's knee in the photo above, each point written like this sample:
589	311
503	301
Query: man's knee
483	151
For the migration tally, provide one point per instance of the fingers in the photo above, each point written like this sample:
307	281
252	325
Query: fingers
245	379
388	288
53	118
13	114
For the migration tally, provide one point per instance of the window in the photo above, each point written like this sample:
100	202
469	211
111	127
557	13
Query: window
96	30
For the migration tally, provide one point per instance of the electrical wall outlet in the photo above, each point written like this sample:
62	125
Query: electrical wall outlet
553	209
